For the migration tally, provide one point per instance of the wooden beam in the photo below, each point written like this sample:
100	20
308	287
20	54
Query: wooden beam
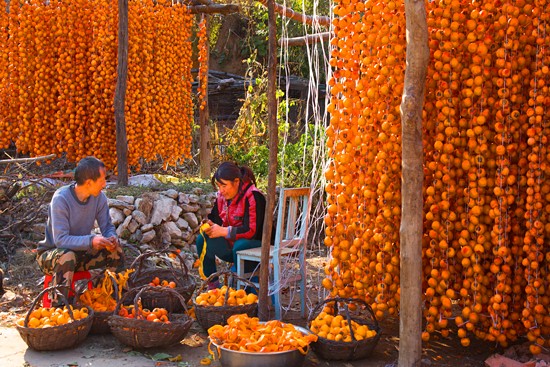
299	17
263	312
203	2
214	8
308	39
418	55
120	94
207	6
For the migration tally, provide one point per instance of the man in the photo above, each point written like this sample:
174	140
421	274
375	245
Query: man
69	244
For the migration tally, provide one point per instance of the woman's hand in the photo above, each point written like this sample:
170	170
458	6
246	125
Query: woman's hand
215	231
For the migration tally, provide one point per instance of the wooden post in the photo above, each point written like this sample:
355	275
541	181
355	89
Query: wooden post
205	157
273	146
299	17
120	94
410	320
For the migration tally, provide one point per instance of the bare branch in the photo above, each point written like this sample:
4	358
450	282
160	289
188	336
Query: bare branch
25	160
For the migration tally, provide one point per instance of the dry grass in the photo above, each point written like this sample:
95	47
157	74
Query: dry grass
24	271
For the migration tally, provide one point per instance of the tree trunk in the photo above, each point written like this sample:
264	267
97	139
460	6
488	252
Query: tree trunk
273	146
120	94
226	53
410	320
205	146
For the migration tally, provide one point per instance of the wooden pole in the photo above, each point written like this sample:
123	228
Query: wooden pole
299	17
305	40
214	8
205	146
273	146
410	320
120	94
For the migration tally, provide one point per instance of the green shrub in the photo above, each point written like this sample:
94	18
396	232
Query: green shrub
247	143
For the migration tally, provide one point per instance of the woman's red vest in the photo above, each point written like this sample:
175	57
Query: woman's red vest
234	213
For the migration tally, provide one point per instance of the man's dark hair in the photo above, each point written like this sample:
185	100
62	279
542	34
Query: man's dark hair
88	168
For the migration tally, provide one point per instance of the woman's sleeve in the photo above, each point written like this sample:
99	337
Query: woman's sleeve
253	219
260	214
214	215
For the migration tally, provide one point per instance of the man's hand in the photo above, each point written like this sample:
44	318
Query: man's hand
100	243
113	244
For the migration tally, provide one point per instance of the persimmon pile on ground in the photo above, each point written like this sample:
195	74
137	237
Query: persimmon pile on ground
58	76
486	163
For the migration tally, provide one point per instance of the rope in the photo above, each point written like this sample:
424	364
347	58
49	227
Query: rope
203	252
316	121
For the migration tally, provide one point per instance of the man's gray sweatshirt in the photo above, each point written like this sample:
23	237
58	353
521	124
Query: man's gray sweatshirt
70	221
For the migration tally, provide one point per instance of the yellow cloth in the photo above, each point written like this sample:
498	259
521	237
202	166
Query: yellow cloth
201	258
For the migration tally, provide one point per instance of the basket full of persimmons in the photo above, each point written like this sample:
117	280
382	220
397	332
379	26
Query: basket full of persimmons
141	327
215	306
346	328
172	274
103	298
55	328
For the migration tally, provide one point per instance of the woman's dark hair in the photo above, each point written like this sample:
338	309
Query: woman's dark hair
88	169
229	171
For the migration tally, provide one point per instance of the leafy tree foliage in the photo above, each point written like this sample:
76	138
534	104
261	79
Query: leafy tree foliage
256	40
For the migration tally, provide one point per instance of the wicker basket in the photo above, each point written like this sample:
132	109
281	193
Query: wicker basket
185	283
56	337
100	325
347	351
140	333
208	316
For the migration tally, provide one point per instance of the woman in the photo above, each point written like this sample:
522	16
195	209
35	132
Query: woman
237	218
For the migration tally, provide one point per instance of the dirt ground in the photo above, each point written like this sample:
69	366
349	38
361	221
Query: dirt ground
106	350
23	283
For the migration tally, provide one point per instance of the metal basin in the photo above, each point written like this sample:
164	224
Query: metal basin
233	358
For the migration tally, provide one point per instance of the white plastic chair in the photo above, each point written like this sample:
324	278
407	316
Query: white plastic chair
290	240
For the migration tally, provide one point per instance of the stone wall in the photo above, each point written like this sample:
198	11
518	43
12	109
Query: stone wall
157	219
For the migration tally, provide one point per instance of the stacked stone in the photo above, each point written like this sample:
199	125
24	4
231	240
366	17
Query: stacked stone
158	219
